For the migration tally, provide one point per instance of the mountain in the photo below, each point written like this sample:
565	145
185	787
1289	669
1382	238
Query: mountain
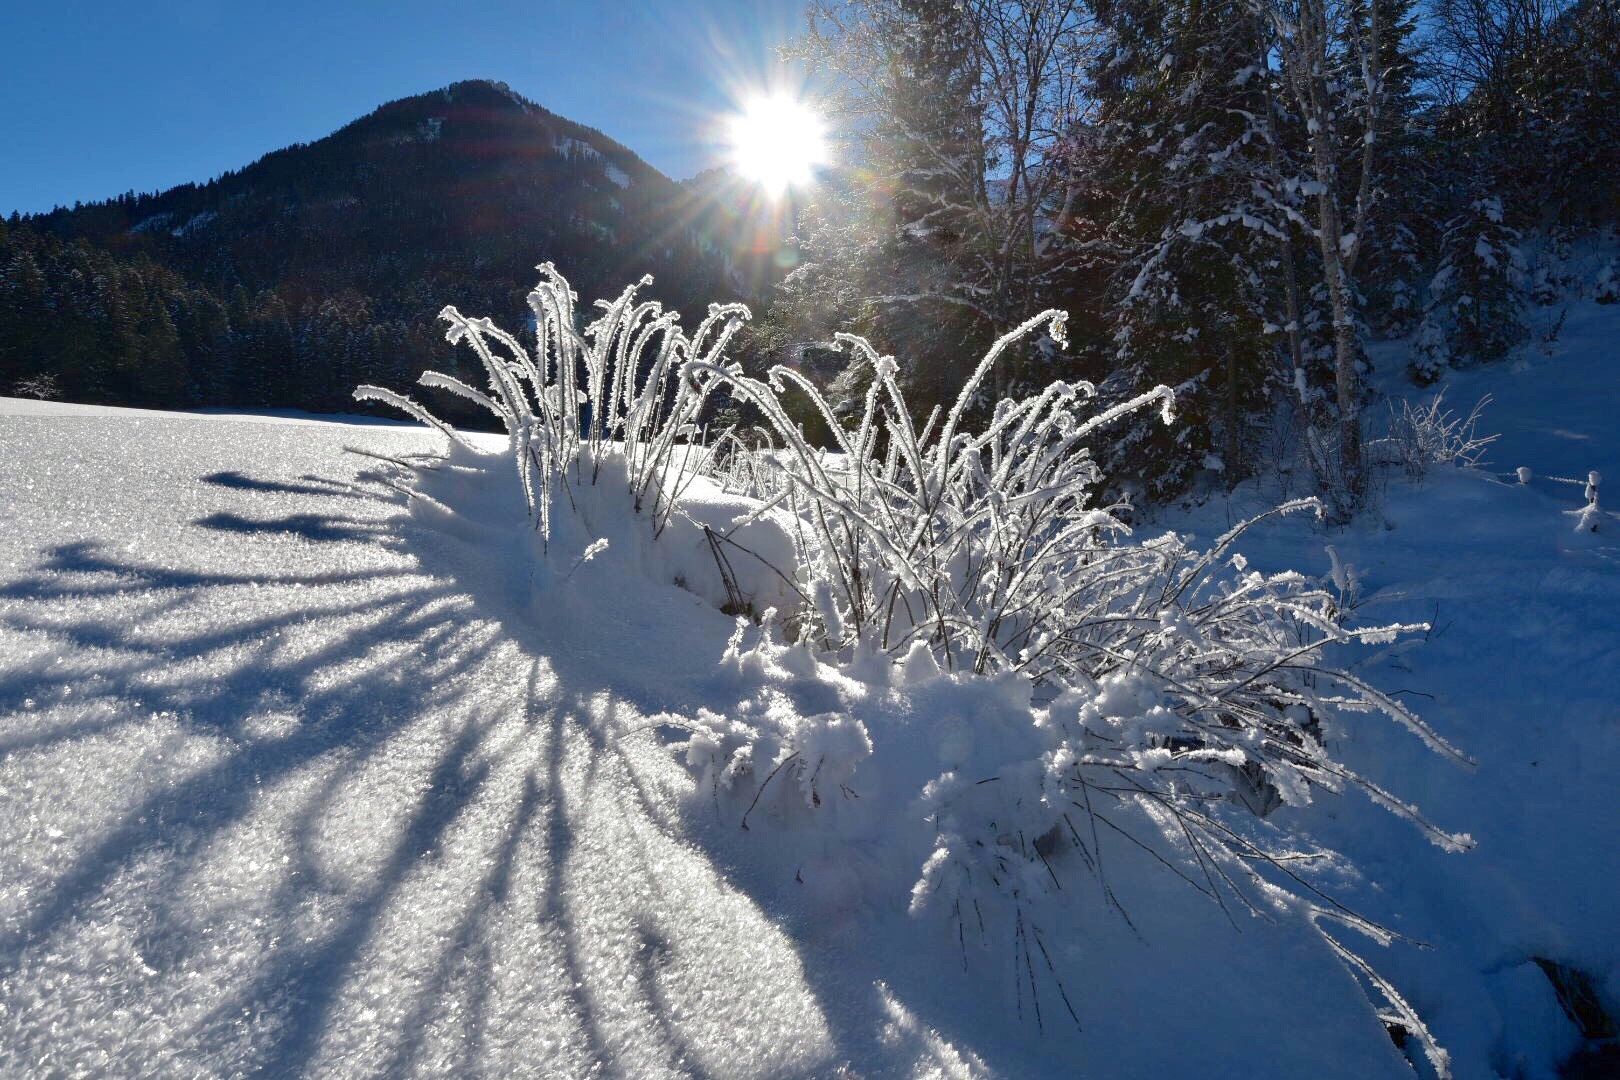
325	264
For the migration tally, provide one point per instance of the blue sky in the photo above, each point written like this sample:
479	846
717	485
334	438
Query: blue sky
100	98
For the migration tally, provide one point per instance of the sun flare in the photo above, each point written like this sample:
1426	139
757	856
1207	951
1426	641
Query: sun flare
777	141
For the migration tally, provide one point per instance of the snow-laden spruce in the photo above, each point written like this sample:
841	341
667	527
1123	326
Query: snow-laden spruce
1129	695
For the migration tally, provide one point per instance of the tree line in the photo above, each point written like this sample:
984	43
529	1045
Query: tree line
132	331
1230	196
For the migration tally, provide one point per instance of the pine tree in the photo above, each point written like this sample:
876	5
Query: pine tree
1475	309
24	318
1402	228
927	153
935	236
1178	166
893	244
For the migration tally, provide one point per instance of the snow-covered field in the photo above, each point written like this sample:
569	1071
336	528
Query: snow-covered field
294	780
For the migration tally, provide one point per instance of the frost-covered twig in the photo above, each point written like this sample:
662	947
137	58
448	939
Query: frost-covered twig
636	403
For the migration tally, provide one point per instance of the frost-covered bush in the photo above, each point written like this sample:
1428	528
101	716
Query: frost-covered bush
1430	434
744	462
1022	691
1475	311
1186	693
603	429
959	539
1206	706
604	399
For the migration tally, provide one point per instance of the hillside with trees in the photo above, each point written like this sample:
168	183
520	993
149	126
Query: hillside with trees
1230	197
323	265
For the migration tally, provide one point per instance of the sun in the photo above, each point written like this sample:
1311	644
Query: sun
777	141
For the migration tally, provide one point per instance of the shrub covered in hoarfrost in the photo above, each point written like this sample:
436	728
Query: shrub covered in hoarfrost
1123	691
1424	435
584	399
602	428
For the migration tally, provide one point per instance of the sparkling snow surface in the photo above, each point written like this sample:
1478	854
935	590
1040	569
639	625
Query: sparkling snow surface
294	784
275	796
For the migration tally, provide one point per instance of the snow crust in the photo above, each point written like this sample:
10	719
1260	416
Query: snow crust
284	794
298	778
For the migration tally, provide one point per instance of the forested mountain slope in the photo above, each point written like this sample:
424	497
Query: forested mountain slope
324	264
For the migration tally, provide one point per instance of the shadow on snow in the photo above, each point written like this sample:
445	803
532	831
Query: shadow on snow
520	890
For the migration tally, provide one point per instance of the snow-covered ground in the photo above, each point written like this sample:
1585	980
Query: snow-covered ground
279	792
1519	671
295	780
292	784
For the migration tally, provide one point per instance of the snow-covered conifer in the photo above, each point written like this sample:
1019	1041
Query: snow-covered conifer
1606	288
1181	178
1475	311
1402	229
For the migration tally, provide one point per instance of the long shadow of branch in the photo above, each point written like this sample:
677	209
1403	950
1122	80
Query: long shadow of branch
386	646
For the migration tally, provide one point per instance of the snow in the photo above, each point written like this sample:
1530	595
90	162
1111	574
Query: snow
296	780
300	776
279	795
193	223
569	145
151	224
31	407
1519	672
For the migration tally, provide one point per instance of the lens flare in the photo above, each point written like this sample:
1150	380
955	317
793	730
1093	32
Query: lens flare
777	141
